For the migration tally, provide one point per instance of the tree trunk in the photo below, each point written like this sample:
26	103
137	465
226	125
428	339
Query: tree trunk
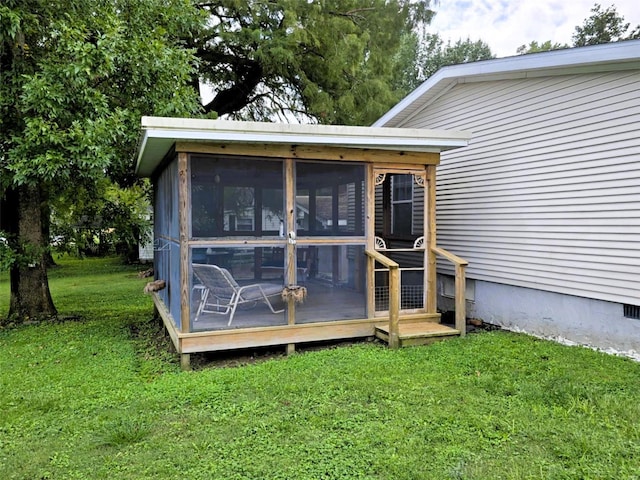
30	295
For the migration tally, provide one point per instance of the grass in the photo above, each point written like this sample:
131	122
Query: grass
102	397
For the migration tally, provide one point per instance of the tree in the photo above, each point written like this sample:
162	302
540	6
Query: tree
74	81
603	26
328	61
101	218
422	56
535	47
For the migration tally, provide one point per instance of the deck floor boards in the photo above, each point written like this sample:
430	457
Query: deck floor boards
417	332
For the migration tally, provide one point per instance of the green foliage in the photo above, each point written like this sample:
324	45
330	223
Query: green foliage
535	47
87	399
421	57
603	26
102	218
7	254
327	60
77	79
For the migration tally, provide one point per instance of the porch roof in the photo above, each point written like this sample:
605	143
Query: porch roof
159	134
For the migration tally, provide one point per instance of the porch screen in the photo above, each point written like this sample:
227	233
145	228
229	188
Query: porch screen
236	197
329	199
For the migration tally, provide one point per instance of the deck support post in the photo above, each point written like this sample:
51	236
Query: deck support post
183	227
291	349
185	362
430	215
461	301
394	307
461	287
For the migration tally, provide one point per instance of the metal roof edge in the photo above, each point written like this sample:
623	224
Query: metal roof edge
181	128
554	62
158	133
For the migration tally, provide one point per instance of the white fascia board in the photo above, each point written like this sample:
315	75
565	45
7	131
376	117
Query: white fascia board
159	134
224	130
606	57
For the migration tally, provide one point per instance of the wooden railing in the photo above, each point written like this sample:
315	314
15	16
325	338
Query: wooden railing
460	298
394	295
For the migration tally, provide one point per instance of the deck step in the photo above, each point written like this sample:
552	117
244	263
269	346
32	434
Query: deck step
417	333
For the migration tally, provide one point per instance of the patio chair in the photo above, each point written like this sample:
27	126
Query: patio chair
222	295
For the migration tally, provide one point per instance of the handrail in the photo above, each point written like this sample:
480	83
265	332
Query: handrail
394	295
378	257
460	297
449	256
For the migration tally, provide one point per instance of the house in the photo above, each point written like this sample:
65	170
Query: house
271	234
545	201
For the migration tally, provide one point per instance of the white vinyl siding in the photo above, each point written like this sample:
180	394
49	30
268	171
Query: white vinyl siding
547	195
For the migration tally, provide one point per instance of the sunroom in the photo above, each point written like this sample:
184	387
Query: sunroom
278	234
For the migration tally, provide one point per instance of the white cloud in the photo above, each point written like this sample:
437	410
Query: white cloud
507	24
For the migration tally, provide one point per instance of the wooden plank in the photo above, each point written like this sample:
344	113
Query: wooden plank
420	317
167	319
274	241
370	232
430	239
450	256
290	226
394	307
461	301
421	329
281	335
183	221
398	157
380	258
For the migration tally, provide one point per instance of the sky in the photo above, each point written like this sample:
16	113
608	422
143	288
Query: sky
507	24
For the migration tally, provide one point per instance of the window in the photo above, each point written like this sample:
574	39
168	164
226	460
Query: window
401	204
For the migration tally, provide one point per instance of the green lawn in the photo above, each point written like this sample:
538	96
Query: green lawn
96	398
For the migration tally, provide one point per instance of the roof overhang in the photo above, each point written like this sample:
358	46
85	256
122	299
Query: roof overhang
597	58
159	134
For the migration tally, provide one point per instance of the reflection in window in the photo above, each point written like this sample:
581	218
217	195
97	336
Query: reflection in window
236	197
329	199
239	209
401	204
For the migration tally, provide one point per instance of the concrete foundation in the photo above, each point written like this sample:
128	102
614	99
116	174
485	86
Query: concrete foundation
582	320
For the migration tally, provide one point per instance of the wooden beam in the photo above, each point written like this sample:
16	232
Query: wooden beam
394	307
312	152
370	232
272	241
461	300
430	240
460	294
167	319
183	226
281	335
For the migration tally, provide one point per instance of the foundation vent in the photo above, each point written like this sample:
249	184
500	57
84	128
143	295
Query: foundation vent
632	311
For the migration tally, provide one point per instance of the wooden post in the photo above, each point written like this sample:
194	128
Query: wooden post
430	199
183	225
290	226
461	307
394	307
185	361
370	232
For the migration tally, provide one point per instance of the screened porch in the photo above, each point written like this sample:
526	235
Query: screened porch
280	234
